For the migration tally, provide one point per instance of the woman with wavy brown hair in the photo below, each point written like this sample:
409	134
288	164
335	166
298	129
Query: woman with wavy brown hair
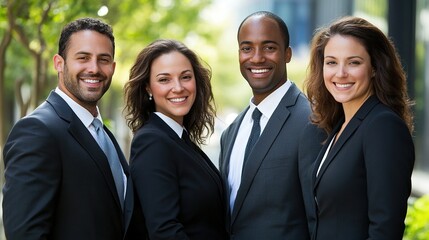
169	105
362	176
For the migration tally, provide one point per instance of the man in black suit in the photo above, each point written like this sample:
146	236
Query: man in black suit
59	182
265	190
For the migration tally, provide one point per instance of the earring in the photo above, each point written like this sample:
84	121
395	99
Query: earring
150	96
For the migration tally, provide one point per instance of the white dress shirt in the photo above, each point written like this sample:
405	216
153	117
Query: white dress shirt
325	155
266	107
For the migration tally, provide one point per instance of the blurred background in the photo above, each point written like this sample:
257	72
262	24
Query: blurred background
29	32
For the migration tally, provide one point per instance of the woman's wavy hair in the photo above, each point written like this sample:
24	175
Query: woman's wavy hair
200	120
388	83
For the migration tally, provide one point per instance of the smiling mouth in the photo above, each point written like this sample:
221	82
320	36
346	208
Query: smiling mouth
176	100
343	85
259	70
91	80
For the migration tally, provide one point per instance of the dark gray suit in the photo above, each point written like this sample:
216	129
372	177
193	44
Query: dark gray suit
269	202
58	180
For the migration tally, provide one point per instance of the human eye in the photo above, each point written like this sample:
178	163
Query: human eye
163	80
187	77
270	48
355	62
245	49
82	57
105	60
330	62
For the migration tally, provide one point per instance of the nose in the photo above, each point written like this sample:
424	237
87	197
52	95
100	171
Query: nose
92	66
177	87
342	71
258	56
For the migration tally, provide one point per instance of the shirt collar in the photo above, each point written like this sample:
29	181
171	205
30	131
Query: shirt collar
82	113
177	128
269	104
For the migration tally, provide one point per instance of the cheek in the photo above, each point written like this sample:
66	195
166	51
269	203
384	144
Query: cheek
243	57
109	70
159	90
191	86
327	74
363	76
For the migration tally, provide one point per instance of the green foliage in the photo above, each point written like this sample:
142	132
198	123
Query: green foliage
372	7
417	221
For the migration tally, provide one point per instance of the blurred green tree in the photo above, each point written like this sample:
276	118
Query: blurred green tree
417	221
29	32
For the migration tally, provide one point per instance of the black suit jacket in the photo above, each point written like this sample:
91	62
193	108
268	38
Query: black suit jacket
58	180
269	202
365	181
179	189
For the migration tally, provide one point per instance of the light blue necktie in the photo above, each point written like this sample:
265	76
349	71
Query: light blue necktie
109	149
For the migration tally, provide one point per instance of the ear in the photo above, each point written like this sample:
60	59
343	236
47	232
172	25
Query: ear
114	66
288	54
58	63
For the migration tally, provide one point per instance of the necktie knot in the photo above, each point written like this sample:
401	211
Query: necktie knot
256	115
186	139
97	124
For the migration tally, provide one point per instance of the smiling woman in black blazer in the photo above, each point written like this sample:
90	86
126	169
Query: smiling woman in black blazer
169	104
362	176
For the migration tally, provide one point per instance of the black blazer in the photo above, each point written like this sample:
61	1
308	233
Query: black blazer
58	180
365	181
178	188
269	202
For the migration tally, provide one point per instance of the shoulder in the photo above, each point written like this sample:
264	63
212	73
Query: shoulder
382	115
384	124
236	122
43	120
295	98
150	133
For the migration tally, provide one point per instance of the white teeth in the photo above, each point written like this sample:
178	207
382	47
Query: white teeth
177	99
259	70
91	81
343	85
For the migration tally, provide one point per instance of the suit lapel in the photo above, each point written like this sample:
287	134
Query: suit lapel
229	137
234	127
267	138
81	134
350	129
196	154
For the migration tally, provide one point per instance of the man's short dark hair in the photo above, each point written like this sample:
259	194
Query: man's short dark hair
81	25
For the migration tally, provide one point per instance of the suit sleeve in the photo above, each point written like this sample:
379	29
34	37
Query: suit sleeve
32	174
156	182
221	152
310	143
389	159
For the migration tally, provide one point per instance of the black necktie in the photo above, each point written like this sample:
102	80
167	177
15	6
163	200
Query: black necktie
254	134
186	139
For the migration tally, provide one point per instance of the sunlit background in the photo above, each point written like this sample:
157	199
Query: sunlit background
29	31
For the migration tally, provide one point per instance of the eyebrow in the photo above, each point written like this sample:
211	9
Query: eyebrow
347	57
263	42
166	74
99	55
